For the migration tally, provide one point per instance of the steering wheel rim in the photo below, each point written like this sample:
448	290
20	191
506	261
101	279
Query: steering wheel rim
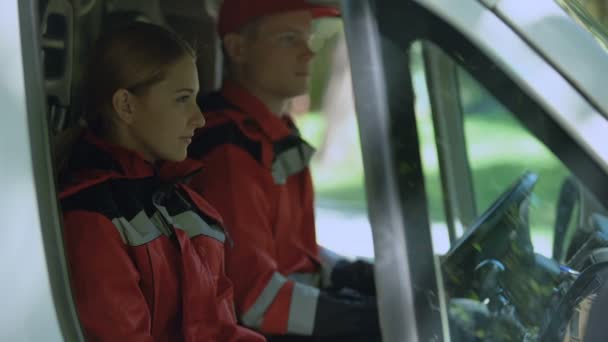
459	262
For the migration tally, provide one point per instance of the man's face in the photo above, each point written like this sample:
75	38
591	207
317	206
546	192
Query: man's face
277	54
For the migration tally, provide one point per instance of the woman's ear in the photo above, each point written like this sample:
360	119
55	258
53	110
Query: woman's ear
234	45
122	103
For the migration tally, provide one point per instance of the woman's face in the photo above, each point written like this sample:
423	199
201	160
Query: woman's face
166	114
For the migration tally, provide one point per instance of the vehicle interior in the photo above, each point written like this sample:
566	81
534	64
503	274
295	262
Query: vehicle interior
489	255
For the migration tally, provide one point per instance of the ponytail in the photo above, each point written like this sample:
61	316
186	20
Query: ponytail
63	145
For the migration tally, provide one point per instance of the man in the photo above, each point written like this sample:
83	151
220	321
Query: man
257	176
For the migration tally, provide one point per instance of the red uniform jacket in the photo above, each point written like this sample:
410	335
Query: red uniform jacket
146	254
256	169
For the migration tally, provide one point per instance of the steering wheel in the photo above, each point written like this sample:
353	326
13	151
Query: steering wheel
501	233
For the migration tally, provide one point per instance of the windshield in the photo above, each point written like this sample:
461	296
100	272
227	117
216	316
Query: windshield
591	15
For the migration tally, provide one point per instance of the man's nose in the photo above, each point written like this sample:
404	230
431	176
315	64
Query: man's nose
308	53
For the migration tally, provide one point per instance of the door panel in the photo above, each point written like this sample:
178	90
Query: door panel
34	289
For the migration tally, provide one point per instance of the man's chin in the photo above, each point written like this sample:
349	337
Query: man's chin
299	91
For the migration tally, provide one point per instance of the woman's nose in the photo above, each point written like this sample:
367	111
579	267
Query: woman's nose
199	118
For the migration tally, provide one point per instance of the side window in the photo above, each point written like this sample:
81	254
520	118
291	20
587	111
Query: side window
327	120
498	197
499	149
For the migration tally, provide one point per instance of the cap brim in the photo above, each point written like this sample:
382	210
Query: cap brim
232	19
320	12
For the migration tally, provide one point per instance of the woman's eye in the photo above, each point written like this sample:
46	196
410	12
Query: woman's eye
183	99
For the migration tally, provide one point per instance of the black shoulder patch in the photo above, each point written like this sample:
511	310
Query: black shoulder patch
86	156
114	198
286	143
229	133
98	198
225	134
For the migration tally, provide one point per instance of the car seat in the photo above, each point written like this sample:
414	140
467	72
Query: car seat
57	26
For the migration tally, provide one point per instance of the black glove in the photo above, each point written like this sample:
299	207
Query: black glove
357	275
346	313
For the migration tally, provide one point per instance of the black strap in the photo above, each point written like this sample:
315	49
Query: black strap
228	133
86	156
231	133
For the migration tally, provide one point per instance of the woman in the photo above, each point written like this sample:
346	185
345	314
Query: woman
145	252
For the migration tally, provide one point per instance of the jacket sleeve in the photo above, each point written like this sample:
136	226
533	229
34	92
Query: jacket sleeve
104	280
233	182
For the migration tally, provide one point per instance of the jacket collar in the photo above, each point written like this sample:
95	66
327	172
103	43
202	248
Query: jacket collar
276	128
94	160
111	157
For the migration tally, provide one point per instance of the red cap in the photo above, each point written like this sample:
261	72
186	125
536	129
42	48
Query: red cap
234	14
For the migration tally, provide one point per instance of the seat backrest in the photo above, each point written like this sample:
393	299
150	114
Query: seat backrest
595	326
149	9
195	21
575	221
57	26
569	318
594	248
95	17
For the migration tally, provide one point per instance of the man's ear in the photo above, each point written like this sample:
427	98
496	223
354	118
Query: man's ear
122	103
234	46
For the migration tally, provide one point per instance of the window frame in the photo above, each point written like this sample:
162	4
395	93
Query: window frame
52	315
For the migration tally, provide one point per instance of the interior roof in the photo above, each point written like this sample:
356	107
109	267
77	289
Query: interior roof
190	8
